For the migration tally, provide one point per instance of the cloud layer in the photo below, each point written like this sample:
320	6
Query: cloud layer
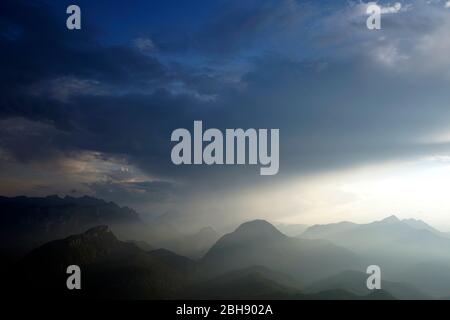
341	95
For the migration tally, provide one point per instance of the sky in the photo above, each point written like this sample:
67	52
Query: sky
363	114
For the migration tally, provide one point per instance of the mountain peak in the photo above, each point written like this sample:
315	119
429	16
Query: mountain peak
391	219
256	231
98	234
258	223
258	228
97	231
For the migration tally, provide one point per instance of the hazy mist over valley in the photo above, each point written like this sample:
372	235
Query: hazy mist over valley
123	257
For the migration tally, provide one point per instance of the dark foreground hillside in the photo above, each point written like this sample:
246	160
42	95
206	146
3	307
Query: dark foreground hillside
111	268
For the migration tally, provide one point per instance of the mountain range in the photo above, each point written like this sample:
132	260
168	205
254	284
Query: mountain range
260	243
114	269
132	259
27	222
402	248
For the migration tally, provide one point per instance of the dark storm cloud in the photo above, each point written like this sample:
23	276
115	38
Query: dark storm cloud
44	48
250	24
51	75
64	92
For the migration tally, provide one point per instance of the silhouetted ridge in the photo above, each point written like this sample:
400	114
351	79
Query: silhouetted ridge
92	246
27	222
391	219
257	229
271	268
400	246
260	243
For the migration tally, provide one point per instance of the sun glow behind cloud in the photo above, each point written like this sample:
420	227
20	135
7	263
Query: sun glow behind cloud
414	189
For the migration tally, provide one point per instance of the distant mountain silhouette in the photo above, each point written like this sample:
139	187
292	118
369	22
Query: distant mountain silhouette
420	225
256	258
410	240
402	248
27	222
260	243
323	231
121	270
